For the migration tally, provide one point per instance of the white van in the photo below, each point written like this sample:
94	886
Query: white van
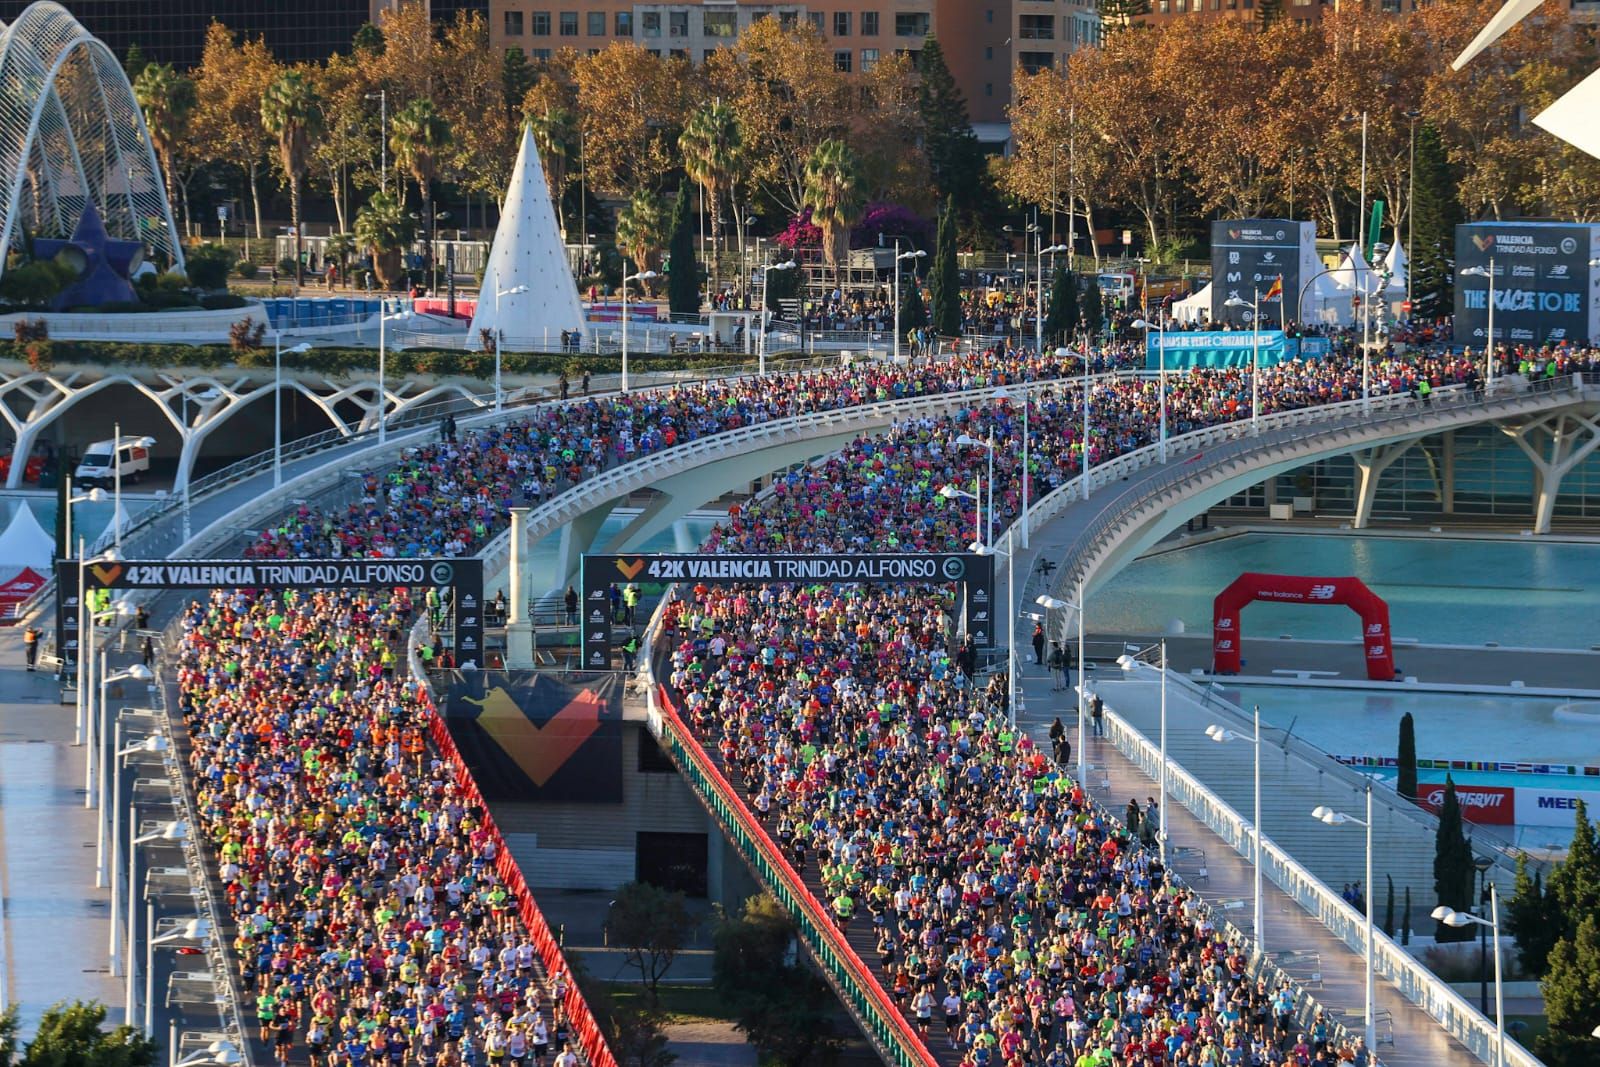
132	457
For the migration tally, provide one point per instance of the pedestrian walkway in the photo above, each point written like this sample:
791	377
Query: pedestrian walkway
1418	1040
53	942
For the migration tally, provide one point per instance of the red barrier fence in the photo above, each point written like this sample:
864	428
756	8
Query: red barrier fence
584	1027
912	1048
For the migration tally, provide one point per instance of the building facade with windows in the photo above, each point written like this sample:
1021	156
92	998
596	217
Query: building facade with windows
983	40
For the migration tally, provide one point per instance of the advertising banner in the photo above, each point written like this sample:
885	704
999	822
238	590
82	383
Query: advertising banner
1248	256
1544	288
1215	348
1488	805
463	576
600	571
539	737
1551	805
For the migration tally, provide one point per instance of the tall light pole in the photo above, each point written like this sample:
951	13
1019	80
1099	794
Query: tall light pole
1161	356
1331	817
499	393
1361	222
766	271
277	402
1255	355
153	743
1009	552
1222	735
1451	917
898	256
1086	416
1003	393
1050	603
1488	346
953	491
985	529
642	276
1129	661
1411	207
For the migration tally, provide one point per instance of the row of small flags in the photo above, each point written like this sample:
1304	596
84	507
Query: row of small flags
1521	767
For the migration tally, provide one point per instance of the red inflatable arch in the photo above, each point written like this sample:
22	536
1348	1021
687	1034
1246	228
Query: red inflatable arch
1298	589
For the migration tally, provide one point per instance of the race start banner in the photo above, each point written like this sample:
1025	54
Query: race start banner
539	737
464	577
601	572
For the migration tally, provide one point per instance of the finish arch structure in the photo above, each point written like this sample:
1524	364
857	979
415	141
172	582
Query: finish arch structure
72	134
1353	593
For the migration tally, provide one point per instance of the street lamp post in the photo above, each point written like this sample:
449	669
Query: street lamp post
1330	817
93	496
766	271
1451	917
1255	355
642	276
1050	603
277	404
153	743
985	528
1411	206
1488	341
1221	735
952	491
499	393
1086	416
1161	356
898	256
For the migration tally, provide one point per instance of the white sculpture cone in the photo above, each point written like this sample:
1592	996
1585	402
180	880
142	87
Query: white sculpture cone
528	251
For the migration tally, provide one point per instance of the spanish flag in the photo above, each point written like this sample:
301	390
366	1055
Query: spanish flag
1276	292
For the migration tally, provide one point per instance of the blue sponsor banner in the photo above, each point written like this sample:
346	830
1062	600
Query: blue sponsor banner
1214	348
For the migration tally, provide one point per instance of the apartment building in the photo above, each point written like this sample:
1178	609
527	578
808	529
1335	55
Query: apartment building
983	40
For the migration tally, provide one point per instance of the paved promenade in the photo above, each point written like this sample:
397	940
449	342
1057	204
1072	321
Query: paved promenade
1418	1040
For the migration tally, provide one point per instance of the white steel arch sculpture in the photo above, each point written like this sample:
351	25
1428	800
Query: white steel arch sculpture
72	134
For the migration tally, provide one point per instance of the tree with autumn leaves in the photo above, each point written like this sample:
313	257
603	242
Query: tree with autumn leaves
1203	118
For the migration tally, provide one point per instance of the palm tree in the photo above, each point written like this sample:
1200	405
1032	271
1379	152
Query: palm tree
418	137
291	110
382	230
712	144
642	226
833	193
167	100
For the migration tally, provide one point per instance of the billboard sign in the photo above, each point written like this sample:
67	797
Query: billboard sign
1548	805
1247	256
1487	805
1544	289
599	572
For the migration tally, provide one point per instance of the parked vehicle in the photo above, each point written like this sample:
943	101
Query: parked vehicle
131	456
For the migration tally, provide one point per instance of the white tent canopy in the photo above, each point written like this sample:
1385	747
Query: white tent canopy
25	544
1397	266
1327	303
527	265
1193	308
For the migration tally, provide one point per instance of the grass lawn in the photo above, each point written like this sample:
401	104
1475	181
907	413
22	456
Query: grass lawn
680	1001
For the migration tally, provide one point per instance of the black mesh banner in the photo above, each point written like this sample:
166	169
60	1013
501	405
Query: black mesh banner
539	737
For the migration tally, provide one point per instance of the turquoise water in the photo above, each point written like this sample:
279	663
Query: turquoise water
1440	591
1355	722
685	535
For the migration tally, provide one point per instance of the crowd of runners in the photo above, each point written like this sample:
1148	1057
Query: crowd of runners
372	926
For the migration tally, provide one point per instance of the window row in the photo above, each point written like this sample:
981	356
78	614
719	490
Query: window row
712	23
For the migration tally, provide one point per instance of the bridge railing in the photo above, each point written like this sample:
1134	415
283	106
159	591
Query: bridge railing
845	970
1418	984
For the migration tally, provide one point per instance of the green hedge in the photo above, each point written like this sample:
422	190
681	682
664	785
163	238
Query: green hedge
339	361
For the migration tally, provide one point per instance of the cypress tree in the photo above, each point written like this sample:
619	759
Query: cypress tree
516	78
1406	783
944	283
1388	907
1093	311
1532	920
1061	316
1405	920
1434	225
954	156
912	311
1453	871
683	273
1572	991
1575	884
